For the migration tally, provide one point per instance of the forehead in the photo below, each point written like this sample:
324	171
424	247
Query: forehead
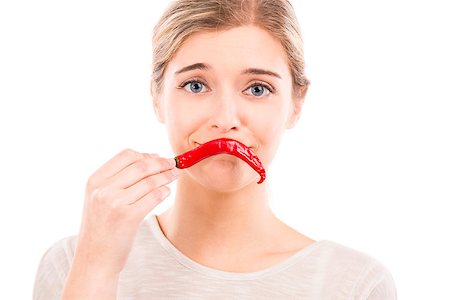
233	50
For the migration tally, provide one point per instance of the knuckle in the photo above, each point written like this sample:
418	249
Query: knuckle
169	175
155	195
129	152
150	182
91	182
147	155
99	194
163	163
143	166
161	193
165	192
117	211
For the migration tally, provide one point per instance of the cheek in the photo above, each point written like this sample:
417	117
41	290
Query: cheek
270	124
270	120
176	114
182	118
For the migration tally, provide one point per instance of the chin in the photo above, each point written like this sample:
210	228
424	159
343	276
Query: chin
221	176
223	186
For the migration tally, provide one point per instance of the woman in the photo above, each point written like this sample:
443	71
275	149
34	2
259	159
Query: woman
221	69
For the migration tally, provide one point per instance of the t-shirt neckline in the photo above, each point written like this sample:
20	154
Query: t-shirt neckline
211	272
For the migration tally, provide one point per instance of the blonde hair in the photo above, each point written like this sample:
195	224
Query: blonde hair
185	17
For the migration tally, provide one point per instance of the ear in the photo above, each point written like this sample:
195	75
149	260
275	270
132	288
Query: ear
299	94
157	106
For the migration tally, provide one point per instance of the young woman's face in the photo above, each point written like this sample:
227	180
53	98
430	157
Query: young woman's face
228	84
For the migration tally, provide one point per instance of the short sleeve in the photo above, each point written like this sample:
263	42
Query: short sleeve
385	289
53	270
375	283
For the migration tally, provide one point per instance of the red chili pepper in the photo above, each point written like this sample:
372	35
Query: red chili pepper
219	146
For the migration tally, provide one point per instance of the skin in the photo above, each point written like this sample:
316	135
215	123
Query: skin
221	217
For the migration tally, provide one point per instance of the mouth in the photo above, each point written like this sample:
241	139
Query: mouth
199	144
221	146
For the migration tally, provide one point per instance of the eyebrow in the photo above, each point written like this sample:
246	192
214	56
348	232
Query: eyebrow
197	66
203	66
256	71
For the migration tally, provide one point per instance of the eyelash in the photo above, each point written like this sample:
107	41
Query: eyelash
258	83
190	81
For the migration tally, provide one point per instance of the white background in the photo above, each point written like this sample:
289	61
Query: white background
367	166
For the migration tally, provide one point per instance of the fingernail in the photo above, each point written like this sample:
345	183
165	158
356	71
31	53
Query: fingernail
172	162
175	172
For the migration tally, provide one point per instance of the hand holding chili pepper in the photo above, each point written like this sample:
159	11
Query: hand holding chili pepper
221	146
118	197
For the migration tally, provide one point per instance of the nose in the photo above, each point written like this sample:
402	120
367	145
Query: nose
225	115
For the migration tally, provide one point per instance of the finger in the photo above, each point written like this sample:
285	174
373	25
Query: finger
141	169
147	203
114	165
148	184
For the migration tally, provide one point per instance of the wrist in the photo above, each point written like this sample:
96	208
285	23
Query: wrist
90	281
94	264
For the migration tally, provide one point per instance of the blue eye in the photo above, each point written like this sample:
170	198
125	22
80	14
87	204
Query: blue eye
260	89
257	90
195	86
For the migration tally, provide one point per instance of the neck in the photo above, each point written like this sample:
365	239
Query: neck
203	221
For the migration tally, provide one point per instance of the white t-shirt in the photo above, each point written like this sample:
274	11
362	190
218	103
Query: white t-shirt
155	269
